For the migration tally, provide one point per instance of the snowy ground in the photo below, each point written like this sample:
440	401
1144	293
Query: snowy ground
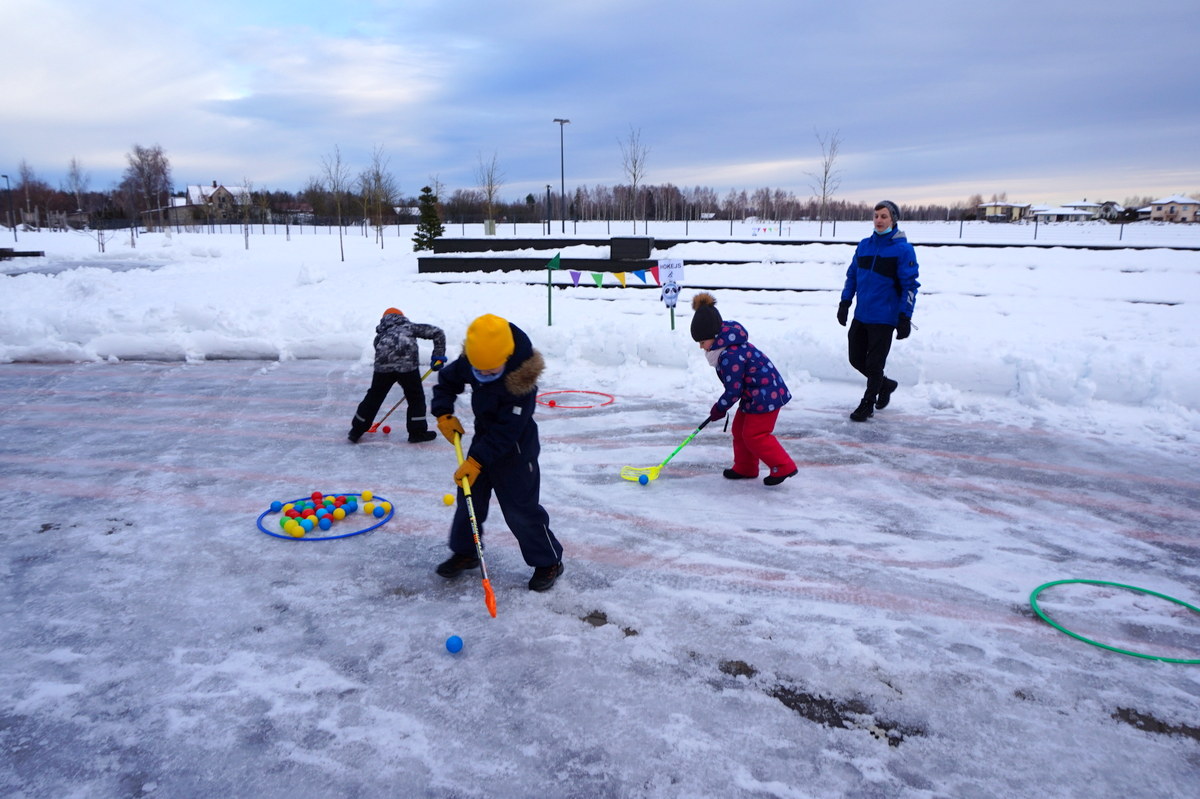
862	630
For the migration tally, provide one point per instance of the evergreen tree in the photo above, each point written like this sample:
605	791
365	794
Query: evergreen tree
430	226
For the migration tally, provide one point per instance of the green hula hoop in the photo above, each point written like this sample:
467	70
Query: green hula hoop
1033	601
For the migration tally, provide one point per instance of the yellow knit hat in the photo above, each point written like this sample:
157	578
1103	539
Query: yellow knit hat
489	342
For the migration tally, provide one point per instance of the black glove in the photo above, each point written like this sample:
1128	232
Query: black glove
843	312
903	327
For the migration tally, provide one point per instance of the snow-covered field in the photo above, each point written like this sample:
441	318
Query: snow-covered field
862	630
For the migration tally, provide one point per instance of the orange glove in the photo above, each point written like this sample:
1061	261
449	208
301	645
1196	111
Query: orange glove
469	469
449	425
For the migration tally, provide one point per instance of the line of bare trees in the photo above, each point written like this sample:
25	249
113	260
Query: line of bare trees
373	198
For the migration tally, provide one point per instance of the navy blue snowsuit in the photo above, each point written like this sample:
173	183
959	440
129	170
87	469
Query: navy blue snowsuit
505	443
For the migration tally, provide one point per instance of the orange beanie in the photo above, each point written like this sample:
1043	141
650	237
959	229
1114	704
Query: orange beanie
396	311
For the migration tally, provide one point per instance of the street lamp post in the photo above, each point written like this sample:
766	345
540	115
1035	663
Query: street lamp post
562	173
12	216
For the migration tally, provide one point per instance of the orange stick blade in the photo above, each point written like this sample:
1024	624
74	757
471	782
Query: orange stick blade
489	597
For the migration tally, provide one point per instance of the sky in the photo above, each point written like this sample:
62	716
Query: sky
931	102
864	629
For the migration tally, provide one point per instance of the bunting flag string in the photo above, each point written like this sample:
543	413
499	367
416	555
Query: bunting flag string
621	277
654	271
598	278
575	275
641	274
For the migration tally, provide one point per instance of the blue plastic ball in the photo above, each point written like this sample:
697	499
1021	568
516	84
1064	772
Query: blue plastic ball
276	506
643	479
325	523
379	511
454	644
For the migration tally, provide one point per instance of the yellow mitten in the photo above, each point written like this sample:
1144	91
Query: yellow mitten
469	469
449	425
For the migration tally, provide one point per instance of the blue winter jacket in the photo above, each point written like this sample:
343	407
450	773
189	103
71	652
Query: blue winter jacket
747	374
503	408
884	276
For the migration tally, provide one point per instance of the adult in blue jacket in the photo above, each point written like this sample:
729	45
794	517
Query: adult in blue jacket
883	276
502	368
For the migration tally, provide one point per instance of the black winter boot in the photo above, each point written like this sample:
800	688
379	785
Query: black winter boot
885	393
544	576
457	564
421	438
730	474
864	411
353	436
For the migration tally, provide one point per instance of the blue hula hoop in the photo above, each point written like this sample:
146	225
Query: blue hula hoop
390	514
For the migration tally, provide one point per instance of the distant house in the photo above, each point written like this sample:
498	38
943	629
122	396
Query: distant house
1003	212
1175	209
1043	213
1110	210
217	203
1090	208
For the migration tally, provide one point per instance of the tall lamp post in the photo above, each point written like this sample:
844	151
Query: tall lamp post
562	173
12	216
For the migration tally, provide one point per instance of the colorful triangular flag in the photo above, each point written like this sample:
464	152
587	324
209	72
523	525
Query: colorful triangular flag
555	263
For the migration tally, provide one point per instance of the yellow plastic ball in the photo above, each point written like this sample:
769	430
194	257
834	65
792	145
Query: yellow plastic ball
448	499
367	496
387	506
368	508
339	514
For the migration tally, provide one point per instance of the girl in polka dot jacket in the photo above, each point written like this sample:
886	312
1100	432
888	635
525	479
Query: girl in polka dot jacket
752	382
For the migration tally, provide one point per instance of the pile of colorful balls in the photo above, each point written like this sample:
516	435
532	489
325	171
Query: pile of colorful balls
322	512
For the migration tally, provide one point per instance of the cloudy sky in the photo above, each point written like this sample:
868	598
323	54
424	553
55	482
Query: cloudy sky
932	101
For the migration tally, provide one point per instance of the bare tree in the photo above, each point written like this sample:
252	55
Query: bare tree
379	192
633	160
77	182
490	178
337	181
148	179
246	205
826	182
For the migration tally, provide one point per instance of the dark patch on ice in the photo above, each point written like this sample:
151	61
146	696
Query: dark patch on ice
598	618
845	714
403	591
1148	723
47	526
737	668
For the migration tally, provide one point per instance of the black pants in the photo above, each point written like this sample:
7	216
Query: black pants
516	482
381	384
869	346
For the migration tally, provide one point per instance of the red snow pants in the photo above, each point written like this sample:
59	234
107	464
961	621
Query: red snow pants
754	440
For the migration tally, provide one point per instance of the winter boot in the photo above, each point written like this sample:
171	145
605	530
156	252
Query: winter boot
776	479
864	411
457	564
421	438
353	436
885	393
544	576
730	474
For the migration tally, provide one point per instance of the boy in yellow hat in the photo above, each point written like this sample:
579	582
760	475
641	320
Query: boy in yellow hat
396	360
502	368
